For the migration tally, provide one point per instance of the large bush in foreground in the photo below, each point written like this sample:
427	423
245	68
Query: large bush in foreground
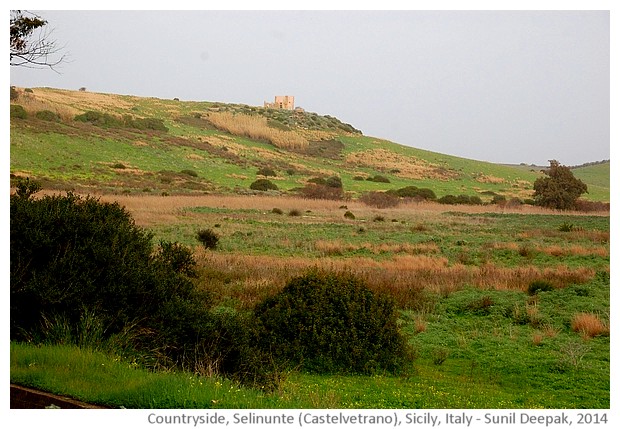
327	322
83	265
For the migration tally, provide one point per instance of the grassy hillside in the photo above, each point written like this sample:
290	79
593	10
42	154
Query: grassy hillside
145	145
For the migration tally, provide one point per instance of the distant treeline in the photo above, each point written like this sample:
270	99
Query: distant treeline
587	164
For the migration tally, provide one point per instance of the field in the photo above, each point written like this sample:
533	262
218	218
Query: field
461	279
505	306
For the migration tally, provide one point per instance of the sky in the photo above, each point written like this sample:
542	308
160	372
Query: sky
520	86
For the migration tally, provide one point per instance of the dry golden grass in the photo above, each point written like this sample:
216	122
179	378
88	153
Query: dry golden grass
33	104
405	277
84	99
418	211
483	178
588	325
256	127
574	250
408	166
555	250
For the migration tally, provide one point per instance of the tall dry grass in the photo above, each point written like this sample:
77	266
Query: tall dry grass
256	127
588	325
33	104
407	278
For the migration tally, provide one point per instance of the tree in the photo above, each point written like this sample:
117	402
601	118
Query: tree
30	42
559	189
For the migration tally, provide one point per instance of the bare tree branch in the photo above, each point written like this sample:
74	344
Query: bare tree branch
30	42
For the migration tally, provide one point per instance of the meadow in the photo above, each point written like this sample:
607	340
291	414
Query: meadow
483	338
504	305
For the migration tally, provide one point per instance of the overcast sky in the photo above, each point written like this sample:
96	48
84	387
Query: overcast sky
499	86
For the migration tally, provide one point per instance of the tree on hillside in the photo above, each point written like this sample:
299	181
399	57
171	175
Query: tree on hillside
559	189
30	45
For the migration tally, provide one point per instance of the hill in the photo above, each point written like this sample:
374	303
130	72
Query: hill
126	144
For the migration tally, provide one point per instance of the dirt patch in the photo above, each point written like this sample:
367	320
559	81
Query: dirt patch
27	398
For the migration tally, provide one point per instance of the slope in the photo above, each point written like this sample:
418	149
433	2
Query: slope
126	144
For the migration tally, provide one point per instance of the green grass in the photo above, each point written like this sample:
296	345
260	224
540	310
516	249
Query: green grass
490	361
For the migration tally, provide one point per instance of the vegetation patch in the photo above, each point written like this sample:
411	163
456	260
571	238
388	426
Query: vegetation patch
332	323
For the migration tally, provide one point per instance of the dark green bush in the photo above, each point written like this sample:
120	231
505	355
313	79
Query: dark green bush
566	227
332	323
18	112
349	215
154	124
539	286
447	199
277	210
208	238
99	119
47	115
189	172
75	257
378	178
263	185
461	199
415	193
266	171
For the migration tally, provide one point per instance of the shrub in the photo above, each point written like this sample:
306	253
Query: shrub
118	166
294	212
263	185
266	171
331	323
349	215
154	124
378	178
334	182
500	200
276	210
539	286
559	189
379	200
74	257
18	112
99	119
461	199
208	238
14	94
47	115
447	199
378	218
416	193
566	227
189	172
